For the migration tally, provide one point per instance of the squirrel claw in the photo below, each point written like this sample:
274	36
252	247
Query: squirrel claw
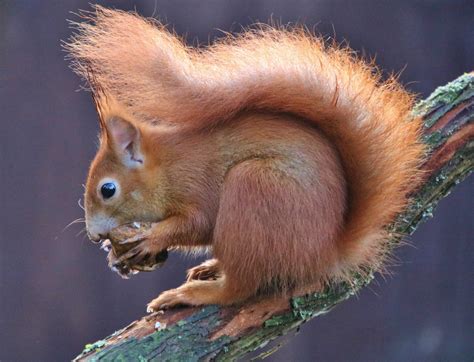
135	239
106	245
131	257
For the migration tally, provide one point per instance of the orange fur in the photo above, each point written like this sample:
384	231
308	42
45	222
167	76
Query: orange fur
286	155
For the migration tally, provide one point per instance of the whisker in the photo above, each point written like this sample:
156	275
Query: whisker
79	203
79	220
82	231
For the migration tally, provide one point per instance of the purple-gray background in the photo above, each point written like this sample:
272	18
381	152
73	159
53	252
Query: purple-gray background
56	292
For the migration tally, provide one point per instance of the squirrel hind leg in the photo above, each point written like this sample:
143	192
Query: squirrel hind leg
274	230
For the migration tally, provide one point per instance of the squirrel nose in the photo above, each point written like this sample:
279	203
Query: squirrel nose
96	237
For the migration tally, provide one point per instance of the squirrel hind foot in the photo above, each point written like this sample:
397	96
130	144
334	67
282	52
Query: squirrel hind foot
202	292
209	270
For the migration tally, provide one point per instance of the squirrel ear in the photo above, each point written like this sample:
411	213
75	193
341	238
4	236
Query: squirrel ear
125	139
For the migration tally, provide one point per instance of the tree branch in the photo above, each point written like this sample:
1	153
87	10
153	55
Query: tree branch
219	333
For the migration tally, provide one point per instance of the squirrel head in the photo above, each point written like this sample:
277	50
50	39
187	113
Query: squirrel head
123	181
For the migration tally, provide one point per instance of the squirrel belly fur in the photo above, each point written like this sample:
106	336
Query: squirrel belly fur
283	155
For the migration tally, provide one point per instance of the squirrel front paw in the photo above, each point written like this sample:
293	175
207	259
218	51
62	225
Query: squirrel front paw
120	268
147	255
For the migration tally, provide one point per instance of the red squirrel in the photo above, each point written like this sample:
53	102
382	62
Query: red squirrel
283	155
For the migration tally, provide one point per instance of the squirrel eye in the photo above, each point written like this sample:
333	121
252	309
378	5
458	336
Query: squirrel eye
108	190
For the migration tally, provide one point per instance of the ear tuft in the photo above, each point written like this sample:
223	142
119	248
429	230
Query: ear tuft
123	133
125	138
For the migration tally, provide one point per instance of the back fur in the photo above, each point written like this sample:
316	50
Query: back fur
157	77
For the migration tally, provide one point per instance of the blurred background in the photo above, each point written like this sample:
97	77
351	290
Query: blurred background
56	291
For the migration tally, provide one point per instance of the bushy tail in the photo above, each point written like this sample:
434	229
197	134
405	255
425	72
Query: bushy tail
157	77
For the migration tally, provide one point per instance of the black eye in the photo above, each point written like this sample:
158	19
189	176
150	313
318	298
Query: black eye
108	190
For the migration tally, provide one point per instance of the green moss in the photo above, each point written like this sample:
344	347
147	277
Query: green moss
433	139
94	346
278	320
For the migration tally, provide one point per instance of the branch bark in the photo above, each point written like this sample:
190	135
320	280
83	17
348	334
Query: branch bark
217	333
